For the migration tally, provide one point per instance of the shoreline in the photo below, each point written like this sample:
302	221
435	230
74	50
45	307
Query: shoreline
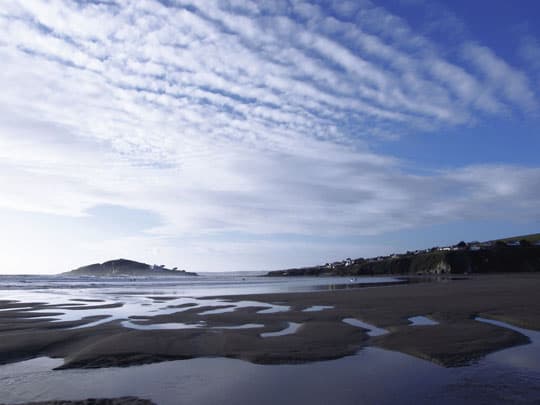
456	340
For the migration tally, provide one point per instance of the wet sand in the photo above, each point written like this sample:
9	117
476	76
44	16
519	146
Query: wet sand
456	340
98	401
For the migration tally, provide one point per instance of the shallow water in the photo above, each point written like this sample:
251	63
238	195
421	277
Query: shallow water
125	299
291	329
317	308
139	307
244	326
162	326
371	376
372	330
421	321
532	334
206	284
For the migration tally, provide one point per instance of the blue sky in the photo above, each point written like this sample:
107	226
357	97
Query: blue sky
249	135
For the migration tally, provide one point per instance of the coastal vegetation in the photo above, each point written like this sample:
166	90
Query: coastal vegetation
517	254
532	238
124	267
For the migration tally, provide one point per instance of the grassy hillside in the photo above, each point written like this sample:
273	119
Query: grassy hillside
533	237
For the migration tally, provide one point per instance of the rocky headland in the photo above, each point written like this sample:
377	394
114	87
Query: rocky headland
500	256
124	267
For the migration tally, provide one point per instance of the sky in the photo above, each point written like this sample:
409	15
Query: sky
257	135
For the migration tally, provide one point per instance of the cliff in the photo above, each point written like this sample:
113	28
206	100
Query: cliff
123	267
495	259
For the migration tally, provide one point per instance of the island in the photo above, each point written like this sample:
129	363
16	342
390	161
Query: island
450	321
124	267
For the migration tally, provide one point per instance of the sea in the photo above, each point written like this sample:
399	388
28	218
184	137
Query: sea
204	284
371	376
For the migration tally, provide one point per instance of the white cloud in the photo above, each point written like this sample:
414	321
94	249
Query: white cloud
242	117
530	51
510	83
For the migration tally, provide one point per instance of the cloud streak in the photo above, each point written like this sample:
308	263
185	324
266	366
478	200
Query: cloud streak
244	116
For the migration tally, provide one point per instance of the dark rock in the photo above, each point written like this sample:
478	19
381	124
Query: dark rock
123	267
499	258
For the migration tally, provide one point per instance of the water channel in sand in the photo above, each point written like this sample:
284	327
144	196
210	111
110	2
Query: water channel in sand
371	376
131	300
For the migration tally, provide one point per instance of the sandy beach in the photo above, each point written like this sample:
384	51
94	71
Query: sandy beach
454	339
98	401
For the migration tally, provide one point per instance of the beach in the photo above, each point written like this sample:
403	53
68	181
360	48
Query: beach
456	339
443	321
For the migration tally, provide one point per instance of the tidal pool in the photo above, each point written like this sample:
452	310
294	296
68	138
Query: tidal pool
372	330
372	376
317	308
291	329
422	321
